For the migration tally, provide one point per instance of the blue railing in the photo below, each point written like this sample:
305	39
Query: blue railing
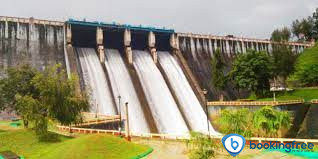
120	26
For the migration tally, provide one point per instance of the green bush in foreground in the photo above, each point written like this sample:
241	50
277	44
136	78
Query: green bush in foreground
236	121
264	122
200	146
268	121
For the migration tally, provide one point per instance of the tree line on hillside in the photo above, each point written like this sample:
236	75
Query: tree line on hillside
253	70
306	29
39	97
250	71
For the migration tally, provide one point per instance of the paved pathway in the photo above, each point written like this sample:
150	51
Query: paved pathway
178	150
165	149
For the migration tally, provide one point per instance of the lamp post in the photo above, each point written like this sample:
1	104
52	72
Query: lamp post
127	123
205	92
96	107
119	109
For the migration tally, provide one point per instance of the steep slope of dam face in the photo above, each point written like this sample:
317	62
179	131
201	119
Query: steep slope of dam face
164	109
198	54
189	104
36	44
95	82
122	86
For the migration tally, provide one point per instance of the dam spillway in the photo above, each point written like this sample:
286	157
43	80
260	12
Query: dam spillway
95	82
189	103
109	60
164	109
122	86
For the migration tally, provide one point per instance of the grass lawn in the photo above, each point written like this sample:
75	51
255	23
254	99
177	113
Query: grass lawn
95	146
304	93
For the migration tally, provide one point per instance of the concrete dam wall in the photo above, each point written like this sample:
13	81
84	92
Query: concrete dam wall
159	73
32	42
198	51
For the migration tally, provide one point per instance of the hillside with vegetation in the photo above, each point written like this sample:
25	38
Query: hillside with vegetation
306	68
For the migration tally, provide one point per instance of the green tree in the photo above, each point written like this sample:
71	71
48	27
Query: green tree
17	81
236	121
59	94
269	121
219	78
43	96
315	27
281	35
252	71
32	110
303	29
284	58
306	29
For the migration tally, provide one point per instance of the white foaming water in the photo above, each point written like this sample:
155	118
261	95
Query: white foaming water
189	103
95	82
211	47
193	49
122	86
205	46
164	109
198	46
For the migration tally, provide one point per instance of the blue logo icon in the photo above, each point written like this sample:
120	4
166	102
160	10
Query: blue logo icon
233	143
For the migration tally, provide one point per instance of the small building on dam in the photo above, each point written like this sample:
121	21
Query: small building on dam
159	72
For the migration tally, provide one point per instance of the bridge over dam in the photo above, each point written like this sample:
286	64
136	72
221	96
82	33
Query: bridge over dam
158	71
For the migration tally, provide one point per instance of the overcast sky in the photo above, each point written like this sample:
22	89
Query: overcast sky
249	18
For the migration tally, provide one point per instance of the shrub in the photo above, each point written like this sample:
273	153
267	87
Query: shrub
264	122
309	75
236	121
268	121
200	146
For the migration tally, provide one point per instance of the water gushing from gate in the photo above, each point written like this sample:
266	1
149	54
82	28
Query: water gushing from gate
189	103
95	82
122	86
164	109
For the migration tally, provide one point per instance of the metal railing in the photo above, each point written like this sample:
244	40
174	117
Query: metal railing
241	39
314	101
255	103
95	118
182	136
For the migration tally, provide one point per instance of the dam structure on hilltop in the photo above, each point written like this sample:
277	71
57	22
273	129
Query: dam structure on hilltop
159	72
